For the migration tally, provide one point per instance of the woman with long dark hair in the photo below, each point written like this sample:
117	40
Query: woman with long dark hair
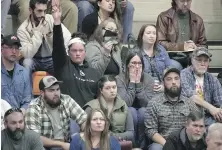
155	56
96	134
136	88
114	108
106	9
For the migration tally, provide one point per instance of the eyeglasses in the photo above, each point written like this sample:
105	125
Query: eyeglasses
11	47
10	111
136	63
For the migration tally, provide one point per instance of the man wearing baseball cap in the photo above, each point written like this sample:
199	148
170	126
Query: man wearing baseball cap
168	111
50	114
15	85
202	87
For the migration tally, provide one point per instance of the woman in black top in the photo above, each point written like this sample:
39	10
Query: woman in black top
106	9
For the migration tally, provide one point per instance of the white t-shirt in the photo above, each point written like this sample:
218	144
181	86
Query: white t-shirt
4	107
199	86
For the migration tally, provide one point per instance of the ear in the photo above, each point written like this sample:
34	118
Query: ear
207	138
99	3
30	10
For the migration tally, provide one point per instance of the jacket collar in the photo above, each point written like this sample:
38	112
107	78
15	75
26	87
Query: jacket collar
84	65
118	103
184	139
16	68
171	12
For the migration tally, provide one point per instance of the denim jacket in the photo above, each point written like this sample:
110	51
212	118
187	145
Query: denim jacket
17	91
158	64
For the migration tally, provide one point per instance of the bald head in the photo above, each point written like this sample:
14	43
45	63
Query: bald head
214	137
216	127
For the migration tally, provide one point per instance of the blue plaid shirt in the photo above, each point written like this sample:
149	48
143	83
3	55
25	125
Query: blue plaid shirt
212	88
157	64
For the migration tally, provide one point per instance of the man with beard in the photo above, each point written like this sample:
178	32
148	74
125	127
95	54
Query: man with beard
15	84
167	112
214	137
189	138
50	114
179	29
15	136
202	87
36	35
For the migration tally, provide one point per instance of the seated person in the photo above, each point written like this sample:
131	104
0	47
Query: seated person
106	9
214	137
4	107
80	80
103	51
155	57
16	84
191	137
96	134
168	111
180	29
49	115
86	8
36	35
136	88
114	108
15	136
202	87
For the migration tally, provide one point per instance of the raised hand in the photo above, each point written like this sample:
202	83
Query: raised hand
56	12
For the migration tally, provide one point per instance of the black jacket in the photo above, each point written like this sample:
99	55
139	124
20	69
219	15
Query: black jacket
179	141
80	82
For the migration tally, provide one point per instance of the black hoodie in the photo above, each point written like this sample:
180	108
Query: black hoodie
79	81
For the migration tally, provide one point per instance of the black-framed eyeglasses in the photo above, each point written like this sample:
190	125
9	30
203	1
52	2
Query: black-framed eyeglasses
11	110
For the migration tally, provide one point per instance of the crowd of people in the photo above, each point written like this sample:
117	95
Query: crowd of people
92	98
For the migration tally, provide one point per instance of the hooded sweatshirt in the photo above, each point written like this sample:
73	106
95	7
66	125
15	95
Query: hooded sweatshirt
79	81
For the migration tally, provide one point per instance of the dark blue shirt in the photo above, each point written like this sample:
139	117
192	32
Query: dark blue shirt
78	143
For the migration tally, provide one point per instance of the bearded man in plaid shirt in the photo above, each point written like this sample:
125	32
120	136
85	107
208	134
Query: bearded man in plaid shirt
50	114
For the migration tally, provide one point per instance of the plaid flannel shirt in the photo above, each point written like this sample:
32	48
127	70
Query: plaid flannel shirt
212	88
37	117
165	117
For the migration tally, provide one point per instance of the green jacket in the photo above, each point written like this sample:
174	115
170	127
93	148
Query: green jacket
117	117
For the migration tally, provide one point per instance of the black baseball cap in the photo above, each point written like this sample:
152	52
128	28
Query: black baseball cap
11	40
169	70
47	82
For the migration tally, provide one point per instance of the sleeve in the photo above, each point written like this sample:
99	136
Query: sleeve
96	58
88	110
170	144
77	113
186	82
66	36
167	61
36	143
59	52
115	145
217	93
27	91
144	92
127	93
202	40
161	26
75	143
151	120
32	119
129	133
30	44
